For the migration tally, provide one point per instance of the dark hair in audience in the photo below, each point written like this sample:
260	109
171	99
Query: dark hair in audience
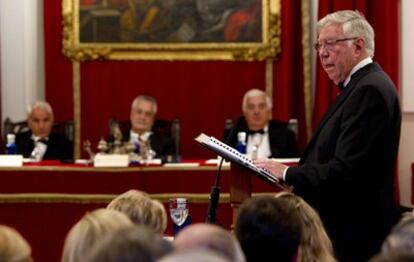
268	228
134	244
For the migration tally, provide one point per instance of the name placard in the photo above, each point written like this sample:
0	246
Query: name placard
114	160
11	160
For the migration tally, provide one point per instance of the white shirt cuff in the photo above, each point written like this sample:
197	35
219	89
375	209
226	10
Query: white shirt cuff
284	173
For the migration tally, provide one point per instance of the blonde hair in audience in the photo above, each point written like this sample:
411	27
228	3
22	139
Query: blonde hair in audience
13	247
89	230
315	244
141	209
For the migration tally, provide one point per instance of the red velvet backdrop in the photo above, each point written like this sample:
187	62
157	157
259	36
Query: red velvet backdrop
384	18
201	94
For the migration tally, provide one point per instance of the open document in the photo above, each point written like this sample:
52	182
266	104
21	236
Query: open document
234	156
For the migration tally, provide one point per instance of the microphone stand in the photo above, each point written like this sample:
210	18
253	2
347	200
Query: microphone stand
214	197
215	189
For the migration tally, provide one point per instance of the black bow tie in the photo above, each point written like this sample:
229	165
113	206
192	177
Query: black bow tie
252	132
341	86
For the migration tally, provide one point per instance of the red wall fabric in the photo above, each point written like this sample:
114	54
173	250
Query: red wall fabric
201	94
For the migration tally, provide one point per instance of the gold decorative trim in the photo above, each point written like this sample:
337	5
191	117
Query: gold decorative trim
307	64
269	78
77	107
98	198
269	48
105	198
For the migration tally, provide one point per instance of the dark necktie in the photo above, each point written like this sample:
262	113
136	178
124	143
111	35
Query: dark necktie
252	132
341	86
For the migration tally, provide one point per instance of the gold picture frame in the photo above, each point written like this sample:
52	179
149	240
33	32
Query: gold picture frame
171	29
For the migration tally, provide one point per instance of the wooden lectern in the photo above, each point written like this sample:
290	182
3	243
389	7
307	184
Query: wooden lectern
240	188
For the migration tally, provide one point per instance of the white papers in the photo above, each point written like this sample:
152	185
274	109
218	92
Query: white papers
11	160
113	160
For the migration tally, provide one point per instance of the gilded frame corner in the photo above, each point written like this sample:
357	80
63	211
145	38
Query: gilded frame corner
264	48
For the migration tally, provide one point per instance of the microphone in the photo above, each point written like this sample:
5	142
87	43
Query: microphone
215	189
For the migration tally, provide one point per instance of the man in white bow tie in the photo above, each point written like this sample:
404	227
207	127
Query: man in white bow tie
40	142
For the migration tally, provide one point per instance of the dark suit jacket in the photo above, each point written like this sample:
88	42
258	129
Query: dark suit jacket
58	147
346	171
162	145
282	140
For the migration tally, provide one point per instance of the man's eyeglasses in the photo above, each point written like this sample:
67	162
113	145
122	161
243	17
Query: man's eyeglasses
330	43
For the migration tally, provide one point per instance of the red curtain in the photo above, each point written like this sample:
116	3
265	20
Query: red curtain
288	72
384	18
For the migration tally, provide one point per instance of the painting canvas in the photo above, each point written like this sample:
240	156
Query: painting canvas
171	29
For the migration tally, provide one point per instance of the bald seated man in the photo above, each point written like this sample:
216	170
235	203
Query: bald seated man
40	142
209	237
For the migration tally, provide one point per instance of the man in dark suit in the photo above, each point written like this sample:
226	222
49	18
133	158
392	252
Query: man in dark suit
264	137
347	170
142	116
40	142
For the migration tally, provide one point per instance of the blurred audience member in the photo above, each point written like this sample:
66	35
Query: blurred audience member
132	244
201	255
40	142
210	237
265	137
269	229
141	209
89	230
13	247
401	238
315	245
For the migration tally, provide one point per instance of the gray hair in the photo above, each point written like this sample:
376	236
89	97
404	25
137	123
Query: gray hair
254	93
353	24
145	98
43	105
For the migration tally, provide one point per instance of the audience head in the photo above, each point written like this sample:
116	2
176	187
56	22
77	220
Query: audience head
268	228
344	39
401	238
132	244
13	247
210	237
141	209
40	118
143	110
201	255
257	109
315	244
91	228
393	257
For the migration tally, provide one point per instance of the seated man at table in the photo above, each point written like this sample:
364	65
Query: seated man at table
142	116
40	142
265	137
